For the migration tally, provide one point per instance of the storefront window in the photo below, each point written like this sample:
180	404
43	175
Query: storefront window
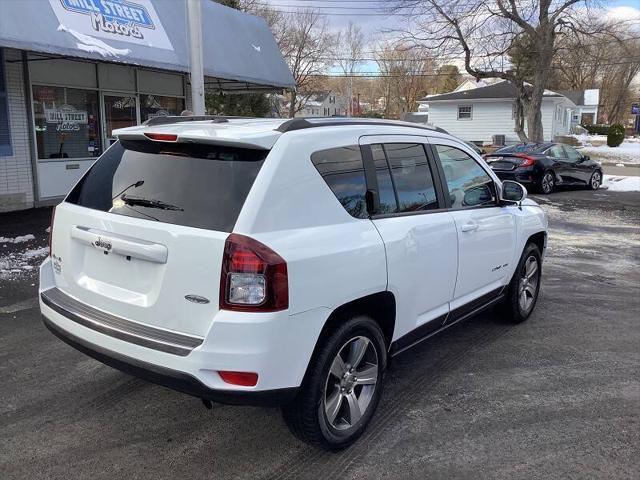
157	106
120	112
66	120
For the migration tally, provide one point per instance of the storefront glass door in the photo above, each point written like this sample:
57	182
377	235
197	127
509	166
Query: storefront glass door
120	110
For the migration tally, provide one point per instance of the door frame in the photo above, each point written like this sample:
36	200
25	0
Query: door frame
103	112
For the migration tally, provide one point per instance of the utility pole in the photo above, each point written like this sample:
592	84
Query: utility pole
196	69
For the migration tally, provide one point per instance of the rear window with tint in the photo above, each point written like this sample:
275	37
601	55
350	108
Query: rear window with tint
194	185
520	148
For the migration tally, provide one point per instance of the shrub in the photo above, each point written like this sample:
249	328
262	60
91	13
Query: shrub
594	129
616	135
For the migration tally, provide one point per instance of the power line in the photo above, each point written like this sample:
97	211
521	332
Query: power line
403	75
461	57
388	10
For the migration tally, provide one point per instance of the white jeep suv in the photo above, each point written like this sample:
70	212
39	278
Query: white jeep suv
284	262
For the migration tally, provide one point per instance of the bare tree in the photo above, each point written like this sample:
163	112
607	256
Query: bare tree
608	60
482	33
347	51
617	79
406	73
304	42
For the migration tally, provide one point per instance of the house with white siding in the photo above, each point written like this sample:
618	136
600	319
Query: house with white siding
587	102
323	104
487	114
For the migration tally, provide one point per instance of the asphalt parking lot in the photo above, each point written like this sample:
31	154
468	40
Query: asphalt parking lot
555	397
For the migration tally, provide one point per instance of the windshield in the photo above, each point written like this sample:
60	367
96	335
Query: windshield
195	185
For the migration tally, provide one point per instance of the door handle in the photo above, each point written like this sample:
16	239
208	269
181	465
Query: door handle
469	227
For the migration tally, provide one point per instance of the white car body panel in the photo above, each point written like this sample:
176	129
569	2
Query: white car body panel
425	261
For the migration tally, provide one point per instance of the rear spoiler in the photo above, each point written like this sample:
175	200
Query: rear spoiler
197	134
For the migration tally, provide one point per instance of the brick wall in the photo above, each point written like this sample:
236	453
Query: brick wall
16	178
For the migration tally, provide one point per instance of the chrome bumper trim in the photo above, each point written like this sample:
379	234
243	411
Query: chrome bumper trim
118	327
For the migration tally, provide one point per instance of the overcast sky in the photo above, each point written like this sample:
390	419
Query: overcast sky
376	23
372	17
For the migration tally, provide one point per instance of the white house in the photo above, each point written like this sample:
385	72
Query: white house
586	111
479	114
324	104
467	84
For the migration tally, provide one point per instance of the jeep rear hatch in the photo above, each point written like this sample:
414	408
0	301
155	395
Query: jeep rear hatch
145	230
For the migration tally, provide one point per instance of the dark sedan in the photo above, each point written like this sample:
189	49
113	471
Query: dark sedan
545	166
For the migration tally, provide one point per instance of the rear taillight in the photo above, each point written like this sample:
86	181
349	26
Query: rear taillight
253	278
526	161
53	217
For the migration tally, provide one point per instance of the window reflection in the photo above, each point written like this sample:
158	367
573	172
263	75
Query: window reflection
469	185
66	122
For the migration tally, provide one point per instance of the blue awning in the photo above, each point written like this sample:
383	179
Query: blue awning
240	52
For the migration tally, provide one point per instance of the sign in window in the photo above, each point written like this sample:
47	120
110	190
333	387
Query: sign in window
66	122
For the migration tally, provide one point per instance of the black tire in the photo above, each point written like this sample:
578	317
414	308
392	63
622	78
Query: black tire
512	307
306	416
547	183
595	181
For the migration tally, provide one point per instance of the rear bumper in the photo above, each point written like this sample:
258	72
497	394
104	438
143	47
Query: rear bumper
173	379
526	176
275	345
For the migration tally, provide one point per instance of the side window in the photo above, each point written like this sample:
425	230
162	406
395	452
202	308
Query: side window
572	154
469	185
556	152
342	170
388	201
411	177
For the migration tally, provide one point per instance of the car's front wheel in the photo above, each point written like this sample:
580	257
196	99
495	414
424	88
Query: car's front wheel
522	292
595	181
342	386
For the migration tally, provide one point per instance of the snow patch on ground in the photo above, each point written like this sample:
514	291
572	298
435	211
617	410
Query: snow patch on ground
20	239
628	153
618	183
15	265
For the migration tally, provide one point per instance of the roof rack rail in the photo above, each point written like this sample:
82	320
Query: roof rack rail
302	123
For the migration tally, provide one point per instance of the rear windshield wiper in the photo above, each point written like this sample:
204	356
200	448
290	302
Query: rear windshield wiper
150	203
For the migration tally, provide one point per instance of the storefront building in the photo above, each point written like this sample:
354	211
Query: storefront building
61	100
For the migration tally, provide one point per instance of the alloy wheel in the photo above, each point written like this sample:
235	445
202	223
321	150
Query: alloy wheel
351	383
595	180
528	286
547	183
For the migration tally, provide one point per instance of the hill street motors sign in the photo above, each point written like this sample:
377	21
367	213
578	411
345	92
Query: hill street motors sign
134	21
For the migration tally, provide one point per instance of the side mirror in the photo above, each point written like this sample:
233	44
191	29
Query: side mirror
512	192
585	158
